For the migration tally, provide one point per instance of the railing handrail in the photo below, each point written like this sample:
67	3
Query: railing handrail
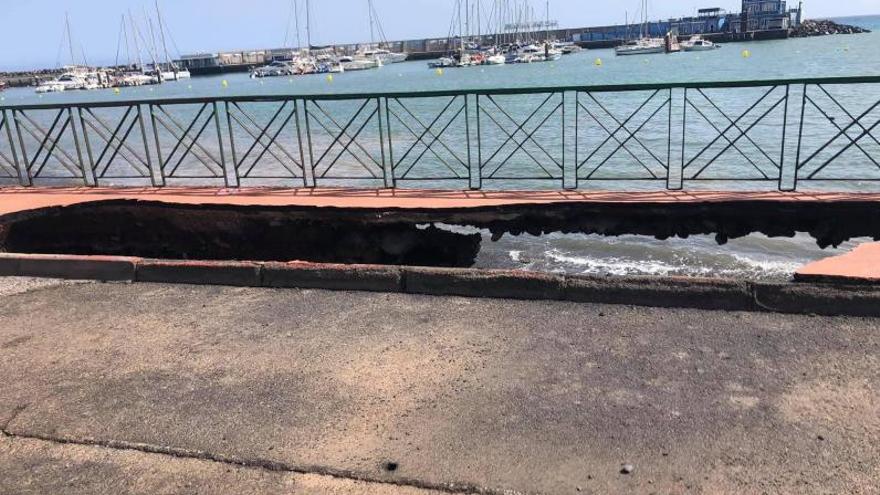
457	92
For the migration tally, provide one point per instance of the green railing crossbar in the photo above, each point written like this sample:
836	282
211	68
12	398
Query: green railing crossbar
608	88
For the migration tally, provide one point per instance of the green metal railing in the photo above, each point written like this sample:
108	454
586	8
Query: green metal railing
778	132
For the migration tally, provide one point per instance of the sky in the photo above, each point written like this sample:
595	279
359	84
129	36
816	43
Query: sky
31	31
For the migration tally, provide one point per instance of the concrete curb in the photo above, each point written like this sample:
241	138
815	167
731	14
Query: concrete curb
715	294
710	294
235	273
333	277
103	268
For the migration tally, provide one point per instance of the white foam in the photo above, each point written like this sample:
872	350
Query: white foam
743	266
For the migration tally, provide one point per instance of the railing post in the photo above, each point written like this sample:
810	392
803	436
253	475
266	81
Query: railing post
569	141
232	150
156	176
792	132
23	177
230	175
676	138
475	168
387	166
161	163
88	178
311	180
306	168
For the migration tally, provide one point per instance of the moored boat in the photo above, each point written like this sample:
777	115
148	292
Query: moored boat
699	44
644	46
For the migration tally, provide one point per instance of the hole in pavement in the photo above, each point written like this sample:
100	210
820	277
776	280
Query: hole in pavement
154	230
390	466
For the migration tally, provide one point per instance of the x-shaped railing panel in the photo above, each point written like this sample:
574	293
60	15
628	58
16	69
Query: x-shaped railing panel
343	138
54	158
109	137
856	137
430	134
272	149
772	102
186	141
622	135
518	137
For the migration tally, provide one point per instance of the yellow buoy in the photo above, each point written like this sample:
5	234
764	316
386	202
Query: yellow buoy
598	62
117	90
439	71
329	78
746	53
225	83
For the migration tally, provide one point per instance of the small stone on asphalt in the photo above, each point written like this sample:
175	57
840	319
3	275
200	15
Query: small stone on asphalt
627	469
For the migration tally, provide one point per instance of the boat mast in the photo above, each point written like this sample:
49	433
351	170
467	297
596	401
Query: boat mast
467	18
547	24
296	20
479	26
137	47
69	38
308	24
372	23
127	45
162	34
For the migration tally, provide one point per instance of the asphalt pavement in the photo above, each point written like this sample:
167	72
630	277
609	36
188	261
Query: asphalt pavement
163	389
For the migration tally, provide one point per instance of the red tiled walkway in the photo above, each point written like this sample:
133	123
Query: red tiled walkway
13	200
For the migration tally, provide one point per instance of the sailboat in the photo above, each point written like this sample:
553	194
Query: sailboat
383	56
74	76
169	71
645	44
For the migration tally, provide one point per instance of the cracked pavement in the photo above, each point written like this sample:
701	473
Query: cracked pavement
119	388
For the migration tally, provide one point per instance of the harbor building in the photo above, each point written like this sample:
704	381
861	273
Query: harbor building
766	15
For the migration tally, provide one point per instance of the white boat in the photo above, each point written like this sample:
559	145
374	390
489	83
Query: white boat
698	44
357	64
49	87
498	59
68	81
277	68
137	79
465	61
534	53
567	48
644	46
442	63
175	74
384	56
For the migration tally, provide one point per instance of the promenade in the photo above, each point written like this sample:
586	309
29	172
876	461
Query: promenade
164	389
